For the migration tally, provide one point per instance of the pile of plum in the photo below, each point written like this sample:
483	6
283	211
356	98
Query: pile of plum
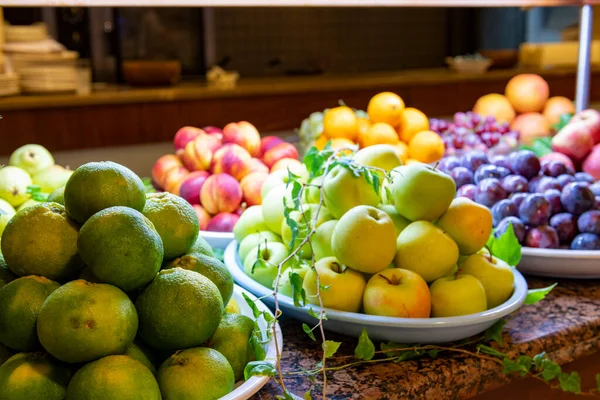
548	204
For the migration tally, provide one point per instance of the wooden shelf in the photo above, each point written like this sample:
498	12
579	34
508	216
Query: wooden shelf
296	3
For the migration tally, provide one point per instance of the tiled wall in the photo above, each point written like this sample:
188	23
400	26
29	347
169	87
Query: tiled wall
338	40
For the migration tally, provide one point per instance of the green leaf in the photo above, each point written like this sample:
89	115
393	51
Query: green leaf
550	369
324	288
490	351
510	366
525	363
313	314
259	368
535	295
148	185
260	264
330	347
433	353
538	359
298	293
598	382
563	120
256	344
390	348
494	332
255	311
309	332
540	146
365	350
307	396
507	247
570	382
522	365
286	395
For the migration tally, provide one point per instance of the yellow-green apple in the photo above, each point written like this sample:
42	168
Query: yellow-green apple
469	224
281	177
31	158
173	179
162	166
6	213
273	206
191	186
13	185
365	239
254	239
233	160
272	254
185	135
591	118
574	140
495	275
198	153
421	192
222	222
321	240
51	178
244	134
276	153
343	190
203	216
268	142
397	293
251	221
312	193
287	163
591	164
381	156
425	249
221	193
285	283
344	286
399	221
452	296
305	222
257	166
251	187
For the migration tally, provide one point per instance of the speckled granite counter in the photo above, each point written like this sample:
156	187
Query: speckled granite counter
566	325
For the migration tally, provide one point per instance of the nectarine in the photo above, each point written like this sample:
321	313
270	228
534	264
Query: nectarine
221	193
243	134
191	185
276	153
222	222
203	216
185	135
251	187
162	166
233	160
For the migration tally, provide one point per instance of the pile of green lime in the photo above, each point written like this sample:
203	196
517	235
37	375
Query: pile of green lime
114	295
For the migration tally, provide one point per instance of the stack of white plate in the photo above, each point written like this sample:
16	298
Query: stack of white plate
25	33
46	72
9	84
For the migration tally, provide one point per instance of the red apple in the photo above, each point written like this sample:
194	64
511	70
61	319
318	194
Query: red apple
574	140
185	135
592	119
191	185
591	165
554	156
222	222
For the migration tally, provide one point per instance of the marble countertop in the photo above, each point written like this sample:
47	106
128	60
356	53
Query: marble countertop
566	325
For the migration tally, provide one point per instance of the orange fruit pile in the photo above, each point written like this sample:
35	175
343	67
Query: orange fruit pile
389	122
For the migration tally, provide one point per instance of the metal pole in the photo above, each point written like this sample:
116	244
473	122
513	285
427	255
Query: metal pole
582	94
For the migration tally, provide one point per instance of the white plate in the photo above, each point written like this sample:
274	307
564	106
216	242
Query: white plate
217	240
247	389
401	330
575	264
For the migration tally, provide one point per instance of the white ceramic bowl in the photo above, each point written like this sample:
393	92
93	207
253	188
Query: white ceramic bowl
401	330
575	264
217	240
247	389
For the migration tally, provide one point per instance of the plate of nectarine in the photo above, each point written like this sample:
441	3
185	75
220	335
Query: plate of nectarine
402	330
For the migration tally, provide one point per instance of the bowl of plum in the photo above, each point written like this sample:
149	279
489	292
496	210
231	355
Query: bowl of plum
554	210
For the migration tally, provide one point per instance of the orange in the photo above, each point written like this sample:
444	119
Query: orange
402	151
340	122
412	121
380	133
363	130
321	141
386	107
412	161
426	146
339	143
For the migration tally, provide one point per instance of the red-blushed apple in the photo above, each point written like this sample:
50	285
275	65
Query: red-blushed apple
233	160
162	166
244	134
257	166
191	185
592	119
251	185
452	296
555	156
287	163
397	293
276	153
222	222
203	216
174	178
591	165
185	135
220	193
574	140
268	142
346	286
198	154
495	275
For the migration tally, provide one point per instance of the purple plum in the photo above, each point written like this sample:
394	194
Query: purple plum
468	191
525	162
501	161
461	176
553	197
554	168
565	225
518	228
589	222
474	159
564	179
543	237
447	164
586	241
515	184
577	198
490	171
535	210
489	192
547	183
502	209
517	198
584	177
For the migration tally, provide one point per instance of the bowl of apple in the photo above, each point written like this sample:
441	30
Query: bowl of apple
405	260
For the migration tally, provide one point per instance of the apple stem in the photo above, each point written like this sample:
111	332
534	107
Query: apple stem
490	255
394	281
335	267
436	165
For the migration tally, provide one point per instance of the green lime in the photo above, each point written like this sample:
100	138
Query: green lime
201	246
139	352
42	240
58	196
98	185
232	340
6	275
121	247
